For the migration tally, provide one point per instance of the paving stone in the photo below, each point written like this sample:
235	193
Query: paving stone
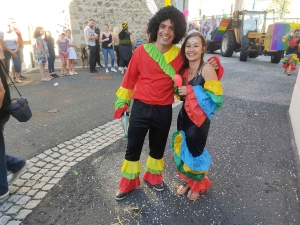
23	200
85	135
47	187
55	155
40	195
4	219
13	210
40	164
80	159
50	173
54	181
65	169
56	161
70	164
63	163
32	193
23	190
48	159
14	222
23	214
64	151
64	157
74	140
56	168
76	150
19	182
91	147
77	144
49	166
87	155
55	149
30	183
94	136
32	204
68	143
70	159
83	141
85	151
41	156
34	160
5	206
45	179
78	154
13	189
70	147
59	175
44	171
79	137
34	169
14	198
94	150
83	147
37	176
26	176
39	185
48	152
69	154
96	129
61	145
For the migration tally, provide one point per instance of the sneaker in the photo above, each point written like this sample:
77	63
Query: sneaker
156	187
113	70
4	195
106	71
14	176
18	81
120	68
121	195
22	77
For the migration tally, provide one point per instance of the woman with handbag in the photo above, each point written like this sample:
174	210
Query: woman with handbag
42	52
7	163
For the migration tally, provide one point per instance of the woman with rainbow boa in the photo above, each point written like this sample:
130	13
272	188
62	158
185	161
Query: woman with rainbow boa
203	95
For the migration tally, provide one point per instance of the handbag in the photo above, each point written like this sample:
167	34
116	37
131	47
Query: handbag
18	107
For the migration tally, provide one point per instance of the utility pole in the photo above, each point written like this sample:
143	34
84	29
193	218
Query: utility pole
253	7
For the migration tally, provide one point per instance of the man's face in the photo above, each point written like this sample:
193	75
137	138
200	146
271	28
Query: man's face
11	24
165	34
91	24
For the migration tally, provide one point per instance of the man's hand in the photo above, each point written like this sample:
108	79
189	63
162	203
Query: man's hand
182	90
214	63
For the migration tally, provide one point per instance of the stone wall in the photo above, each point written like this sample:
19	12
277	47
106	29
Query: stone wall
113	13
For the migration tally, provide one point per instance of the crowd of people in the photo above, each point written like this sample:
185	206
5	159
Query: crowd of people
207	27
118	45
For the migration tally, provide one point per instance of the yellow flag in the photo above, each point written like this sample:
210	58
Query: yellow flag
167	2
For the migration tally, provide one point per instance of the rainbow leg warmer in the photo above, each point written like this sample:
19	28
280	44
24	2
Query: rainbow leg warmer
154	168
130	176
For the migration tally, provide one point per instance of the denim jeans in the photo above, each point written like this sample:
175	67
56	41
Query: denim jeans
109	51
92	60
16	61
51	60
7	163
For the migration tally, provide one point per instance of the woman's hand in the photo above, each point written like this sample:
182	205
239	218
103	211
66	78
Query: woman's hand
182	91
214	63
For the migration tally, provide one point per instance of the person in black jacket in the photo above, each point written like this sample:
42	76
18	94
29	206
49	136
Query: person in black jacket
7	163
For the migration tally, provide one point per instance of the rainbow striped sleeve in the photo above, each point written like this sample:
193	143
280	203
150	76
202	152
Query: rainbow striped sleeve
122	101
210	97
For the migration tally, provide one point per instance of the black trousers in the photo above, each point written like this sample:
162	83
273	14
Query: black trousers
196	137
153	118
92	60
97	57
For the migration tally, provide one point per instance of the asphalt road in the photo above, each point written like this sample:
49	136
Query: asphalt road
255	169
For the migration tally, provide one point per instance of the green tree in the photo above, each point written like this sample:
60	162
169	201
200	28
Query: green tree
281	7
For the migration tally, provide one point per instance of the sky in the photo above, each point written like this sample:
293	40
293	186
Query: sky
218	7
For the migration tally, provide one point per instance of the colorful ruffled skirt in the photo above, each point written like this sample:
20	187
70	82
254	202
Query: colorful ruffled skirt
191	169
290	60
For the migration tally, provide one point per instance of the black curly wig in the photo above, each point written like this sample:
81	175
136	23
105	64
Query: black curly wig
165	13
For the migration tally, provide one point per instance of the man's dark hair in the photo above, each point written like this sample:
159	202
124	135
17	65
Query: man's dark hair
165	13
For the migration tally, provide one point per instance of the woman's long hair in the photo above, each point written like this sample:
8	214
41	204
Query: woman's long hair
37	32
203	41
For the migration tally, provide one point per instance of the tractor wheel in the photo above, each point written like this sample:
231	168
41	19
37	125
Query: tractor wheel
244	49
228	44
276	58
